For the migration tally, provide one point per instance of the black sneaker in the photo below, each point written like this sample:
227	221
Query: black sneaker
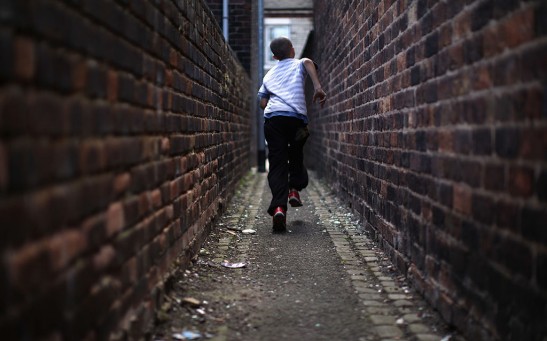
279	220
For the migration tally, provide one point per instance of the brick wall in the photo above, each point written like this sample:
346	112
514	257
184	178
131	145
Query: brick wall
240	27
435	131
125	126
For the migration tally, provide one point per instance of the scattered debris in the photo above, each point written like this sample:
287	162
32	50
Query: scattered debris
248	231
191	301
187	335
232	233
447	337
234	265
400	321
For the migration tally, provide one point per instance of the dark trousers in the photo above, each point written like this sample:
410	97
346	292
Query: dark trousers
286	158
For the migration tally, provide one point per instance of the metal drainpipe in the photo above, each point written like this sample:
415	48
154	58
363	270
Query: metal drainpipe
260	116
225	16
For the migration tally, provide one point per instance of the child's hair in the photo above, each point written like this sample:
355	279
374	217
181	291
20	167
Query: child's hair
281	47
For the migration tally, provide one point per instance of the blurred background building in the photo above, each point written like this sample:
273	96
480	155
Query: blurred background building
292	19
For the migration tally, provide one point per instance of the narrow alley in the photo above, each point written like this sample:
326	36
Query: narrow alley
324	279
134	136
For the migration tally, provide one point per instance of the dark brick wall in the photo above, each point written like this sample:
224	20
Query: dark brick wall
435	131
240	27
125	126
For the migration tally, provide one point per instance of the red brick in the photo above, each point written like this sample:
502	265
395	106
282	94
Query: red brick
150	95
533	144
112	86
64	247
48	115
456	56
462	199
492	42
104	258
25	59
156	198
4	174
482	78
530	104
173	58
169	78
445	37
92	156
115	218
431	266
462	25
518	28
145	205
121	183
445	305
165	145
445	139
29	268
79	75
521	181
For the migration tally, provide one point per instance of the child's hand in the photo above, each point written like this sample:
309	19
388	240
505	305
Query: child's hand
320	95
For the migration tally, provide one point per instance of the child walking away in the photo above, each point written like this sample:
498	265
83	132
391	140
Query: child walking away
285	126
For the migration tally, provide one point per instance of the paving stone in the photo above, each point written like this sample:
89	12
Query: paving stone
385	278
419	328
366	264
354	262
371	303
388	283
406	310
411	318
383	319
365	290
370	296
359	278
388	331
346	256
383	310
397	297
392	289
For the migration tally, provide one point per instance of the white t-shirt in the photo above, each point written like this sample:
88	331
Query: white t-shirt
284	85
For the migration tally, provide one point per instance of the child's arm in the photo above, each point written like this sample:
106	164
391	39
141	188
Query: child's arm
263	102
264	96
319	94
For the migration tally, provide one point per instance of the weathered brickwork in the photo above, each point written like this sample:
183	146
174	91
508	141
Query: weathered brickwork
125	126
435	131
240	27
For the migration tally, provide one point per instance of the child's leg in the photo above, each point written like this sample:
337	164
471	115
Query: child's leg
298	175
277	157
